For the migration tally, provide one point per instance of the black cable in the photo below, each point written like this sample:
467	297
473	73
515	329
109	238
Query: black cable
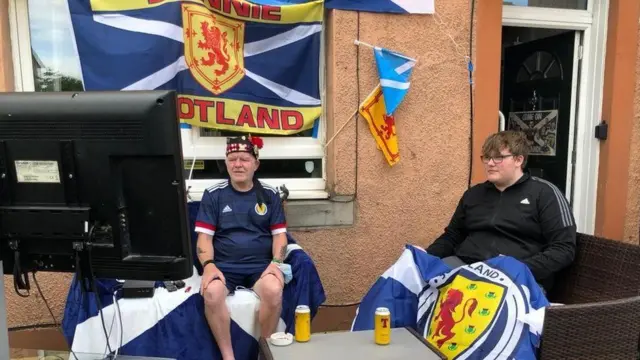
355	191
470	69
46	303
94	288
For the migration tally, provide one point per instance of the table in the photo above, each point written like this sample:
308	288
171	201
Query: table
346	345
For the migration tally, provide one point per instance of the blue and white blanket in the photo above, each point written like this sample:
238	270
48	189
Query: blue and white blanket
488	310
172	324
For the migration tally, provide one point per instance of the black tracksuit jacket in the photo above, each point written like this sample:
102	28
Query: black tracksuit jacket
530	221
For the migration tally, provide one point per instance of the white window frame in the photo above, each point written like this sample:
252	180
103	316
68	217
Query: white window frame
194	146
592	23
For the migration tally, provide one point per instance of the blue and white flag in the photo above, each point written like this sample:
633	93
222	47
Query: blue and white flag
384	6
172	324
487	310
236	65
394	70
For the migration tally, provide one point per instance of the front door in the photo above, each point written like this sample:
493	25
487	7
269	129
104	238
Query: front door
536	99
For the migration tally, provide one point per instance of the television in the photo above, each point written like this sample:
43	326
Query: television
93	180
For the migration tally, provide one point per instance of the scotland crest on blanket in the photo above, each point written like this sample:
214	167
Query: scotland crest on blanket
487	310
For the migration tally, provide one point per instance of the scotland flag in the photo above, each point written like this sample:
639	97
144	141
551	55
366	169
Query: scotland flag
384	6
236	65
172	324
394	70
487	310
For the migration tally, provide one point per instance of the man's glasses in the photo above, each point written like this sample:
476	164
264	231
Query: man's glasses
496	159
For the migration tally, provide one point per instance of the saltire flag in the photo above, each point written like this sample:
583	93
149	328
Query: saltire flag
172	324
394	70
236	65
487	310
381	125
384	6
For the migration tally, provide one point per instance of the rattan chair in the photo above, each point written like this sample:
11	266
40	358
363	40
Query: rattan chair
601	316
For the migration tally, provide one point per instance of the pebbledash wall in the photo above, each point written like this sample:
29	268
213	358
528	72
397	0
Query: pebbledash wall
411	202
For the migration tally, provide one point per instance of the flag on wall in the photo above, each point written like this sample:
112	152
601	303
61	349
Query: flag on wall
381	125
394	70
488	310
236	65
384	6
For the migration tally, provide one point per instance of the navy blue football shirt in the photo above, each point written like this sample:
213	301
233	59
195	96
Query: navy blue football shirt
242	230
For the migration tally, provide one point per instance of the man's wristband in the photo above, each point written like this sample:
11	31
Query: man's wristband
277	261
204	264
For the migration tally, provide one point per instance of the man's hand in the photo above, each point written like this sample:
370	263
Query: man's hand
274	269
209	274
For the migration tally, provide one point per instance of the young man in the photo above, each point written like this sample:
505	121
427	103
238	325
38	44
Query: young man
512	214
241	241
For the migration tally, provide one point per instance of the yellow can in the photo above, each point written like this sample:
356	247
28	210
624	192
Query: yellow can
303	323
382	326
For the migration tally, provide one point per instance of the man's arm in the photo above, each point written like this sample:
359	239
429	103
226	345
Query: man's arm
278	226
204	247
453	234
279	246
206	227
559	230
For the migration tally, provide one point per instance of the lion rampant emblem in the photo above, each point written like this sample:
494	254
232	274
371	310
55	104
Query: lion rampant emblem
216	43
447	307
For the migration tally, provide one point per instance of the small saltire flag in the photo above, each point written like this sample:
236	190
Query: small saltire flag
394	70
384	6
381	125
492	309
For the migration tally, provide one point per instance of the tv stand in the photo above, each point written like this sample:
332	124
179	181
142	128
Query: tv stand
4	332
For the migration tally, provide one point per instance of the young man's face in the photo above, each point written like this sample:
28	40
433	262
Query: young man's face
241	166
502	168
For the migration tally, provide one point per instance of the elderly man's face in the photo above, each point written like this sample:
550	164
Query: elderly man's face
241	166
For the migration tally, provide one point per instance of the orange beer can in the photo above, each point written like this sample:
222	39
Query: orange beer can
303	323
382	326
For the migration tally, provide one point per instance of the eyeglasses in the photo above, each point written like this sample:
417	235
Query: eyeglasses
496	159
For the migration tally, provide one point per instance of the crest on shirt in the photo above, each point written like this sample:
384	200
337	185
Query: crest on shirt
261	209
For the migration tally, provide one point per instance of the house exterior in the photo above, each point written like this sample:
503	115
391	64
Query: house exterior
557	72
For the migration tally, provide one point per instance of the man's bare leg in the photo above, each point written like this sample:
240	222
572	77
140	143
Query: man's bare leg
217	314
269	288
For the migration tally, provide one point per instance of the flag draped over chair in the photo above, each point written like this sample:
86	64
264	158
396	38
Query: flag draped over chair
487	310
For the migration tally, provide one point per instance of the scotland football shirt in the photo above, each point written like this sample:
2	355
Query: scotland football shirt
242	229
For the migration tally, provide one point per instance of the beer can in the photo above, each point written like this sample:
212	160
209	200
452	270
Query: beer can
382	326
303	323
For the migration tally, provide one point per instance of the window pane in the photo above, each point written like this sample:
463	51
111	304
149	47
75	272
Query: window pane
55	63
556	4
269	169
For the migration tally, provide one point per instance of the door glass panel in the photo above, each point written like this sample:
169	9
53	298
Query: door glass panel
556	4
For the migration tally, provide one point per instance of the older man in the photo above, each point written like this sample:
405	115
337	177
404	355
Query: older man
241	242
512	213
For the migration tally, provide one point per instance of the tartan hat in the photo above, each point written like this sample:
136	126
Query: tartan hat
244	143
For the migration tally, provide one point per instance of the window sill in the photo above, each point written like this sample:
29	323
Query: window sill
334	212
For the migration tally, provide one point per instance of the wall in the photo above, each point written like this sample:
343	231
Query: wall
632	225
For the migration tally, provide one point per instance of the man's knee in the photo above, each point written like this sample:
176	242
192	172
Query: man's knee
269	288
215	294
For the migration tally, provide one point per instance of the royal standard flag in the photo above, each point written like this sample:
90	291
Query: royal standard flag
394	70
381	125
236	65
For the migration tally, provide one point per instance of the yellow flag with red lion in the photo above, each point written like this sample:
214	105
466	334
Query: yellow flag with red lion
381	125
